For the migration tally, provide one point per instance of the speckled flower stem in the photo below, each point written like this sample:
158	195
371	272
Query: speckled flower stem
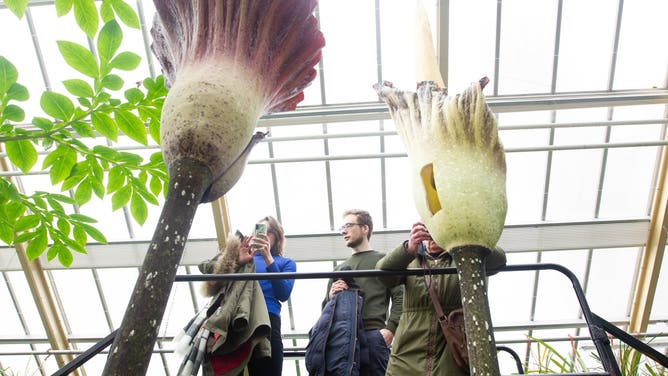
470	262
131	351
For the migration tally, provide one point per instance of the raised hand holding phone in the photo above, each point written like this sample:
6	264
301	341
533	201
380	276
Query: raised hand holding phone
260	242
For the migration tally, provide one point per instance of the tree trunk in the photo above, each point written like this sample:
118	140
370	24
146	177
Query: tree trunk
131	351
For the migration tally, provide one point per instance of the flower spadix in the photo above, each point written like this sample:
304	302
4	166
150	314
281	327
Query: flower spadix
226	64
458	163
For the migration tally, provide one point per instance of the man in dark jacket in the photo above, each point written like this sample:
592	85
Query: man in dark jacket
378	327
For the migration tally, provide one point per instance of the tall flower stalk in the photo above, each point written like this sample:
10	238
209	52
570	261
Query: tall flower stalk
226	63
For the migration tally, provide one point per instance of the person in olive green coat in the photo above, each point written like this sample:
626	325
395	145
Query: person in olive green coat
419	345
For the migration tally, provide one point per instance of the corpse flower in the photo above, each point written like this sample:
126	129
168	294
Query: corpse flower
226	63
458	162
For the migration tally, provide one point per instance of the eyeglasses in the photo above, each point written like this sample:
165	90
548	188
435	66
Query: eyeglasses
347	226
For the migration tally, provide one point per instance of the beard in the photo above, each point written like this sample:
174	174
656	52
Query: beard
354	242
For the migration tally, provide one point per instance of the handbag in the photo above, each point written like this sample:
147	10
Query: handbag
452	326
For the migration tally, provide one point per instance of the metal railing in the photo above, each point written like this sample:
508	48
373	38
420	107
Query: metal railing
599	328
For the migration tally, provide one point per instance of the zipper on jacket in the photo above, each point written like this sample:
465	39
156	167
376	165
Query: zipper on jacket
352	361
324	347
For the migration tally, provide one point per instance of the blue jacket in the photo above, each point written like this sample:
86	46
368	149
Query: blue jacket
335	339
275	290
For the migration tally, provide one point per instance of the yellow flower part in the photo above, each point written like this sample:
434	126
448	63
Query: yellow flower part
458	162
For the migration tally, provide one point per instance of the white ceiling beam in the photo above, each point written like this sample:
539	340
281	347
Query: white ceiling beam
329	246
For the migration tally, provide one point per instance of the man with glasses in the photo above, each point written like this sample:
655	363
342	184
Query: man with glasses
378	327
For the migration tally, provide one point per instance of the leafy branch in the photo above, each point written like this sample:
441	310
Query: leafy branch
69	136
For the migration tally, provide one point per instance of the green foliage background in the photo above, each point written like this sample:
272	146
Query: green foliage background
97	103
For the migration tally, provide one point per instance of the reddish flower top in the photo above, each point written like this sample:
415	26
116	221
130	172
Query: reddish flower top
278	40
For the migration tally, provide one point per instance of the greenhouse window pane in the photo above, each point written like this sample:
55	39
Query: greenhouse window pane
81	302
527	47
357	41
586	45
609	297
556	299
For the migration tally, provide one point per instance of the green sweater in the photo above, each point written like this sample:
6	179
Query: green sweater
376	296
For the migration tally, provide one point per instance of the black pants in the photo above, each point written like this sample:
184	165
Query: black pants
375	355
274	365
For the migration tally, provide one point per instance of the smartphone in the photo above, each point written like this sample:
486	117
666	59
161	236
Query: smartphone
260	228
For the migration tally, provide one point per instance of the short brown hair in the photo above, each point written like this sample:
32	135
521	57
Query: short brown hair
363	218
275	228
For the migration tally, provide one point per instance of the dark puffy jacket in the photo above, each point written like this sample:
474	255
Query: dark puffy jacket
335	339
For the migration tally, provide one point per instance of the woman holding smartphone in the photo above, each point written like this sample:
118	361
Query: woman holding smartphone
267	248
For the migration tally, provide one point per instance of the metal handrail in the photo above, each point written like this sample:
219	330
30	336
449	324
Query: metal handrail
597	325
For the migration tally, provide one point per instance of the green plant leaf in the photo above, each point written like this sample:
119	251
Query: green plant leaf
105	151
131	126
85	13
18	92
13	113
22	154
24	237
75	245
53	156
129	158
79	88
42	123
94	233
18	7
155	185
57	105
108	41
26	222
8	75
126	13
12	193
98	187
62	198
62	161
80	235
116	179
39	202
138	208
63	7
134	95
146	113
72	181
113	82
55	205
94	166
14	210
125	61
6	233
83	218
79	57
64	226
37	245
106	11
105	125
83	129
65	257
121	197
154	130
84	192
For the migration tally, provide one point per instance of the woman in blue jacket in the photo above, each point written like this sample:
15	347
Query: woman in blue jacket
268	258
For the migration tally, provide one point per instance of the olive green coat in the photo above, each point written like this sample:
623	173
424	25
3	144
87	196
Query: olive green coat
419	347
240	317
